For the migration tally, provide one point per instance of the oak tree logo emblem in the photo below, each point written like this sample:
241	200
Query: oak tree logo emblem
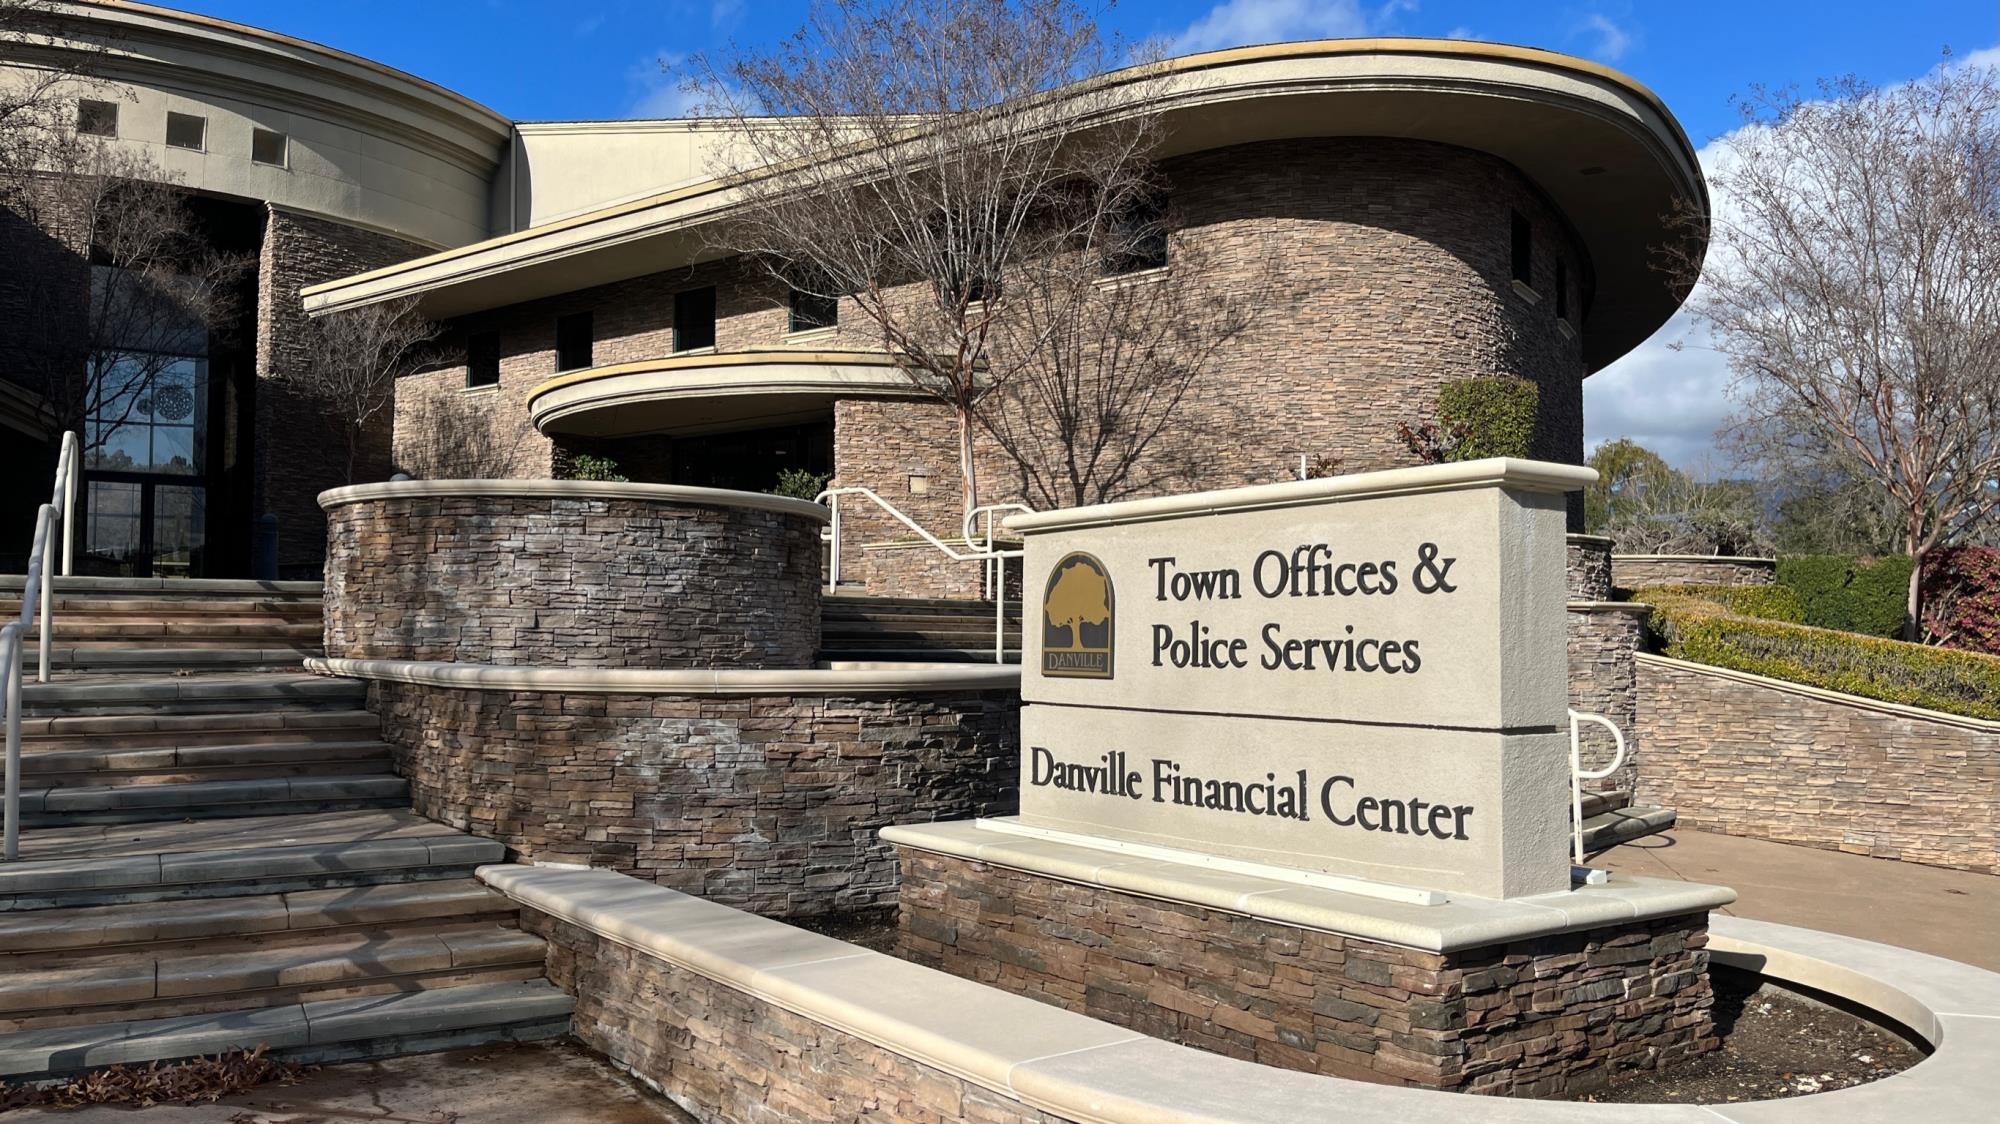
1077	607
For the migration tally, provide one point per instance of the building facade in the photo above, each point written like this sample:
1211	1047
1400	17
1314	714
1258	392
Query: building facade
1437	211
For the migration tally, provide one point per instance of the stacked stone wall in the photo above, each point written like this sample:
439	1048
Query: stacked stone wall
1811	769
1543	1018
301	449
1603	637
766	802
1633	571
728	1055
572	582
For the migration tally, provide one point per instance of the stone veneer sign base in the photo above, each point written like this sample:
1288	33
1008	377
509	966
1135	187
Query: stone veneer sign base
1295	788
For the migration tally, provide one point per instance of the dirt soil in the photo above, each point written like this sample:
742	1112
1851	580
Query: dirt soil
1775	1043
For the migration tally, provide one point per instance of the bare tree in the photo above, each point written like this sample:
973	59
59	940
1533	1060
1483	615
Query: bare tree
354	359
1108	361
931	152
125	295
1854	286
37	100
1662	510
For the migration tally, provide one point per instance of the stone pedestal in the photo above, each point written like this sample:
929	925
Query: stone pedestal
1508	1000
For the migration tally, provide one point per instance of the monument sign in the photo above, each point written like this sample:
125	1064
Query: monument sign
1361	676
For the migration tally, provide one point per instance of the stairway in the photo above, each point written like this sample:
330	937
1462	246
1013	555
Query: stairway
220	857
1610	818
169	624
856	628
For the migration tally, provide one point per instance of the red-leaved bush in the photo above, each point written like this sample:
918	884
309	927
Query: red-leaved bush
1962	598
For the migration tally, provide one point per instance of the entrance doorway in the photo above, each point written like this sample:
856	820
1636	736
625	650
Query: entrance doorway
145	494
750	460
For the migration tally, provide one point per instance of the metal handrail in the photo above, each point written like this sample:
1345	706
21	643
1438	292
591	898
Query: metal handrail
1577	774
37	597
989	556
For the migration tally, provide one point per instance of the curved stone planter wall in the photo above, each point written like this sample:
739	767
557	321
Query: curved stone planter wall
764	790
743	1018
566	573
1636	571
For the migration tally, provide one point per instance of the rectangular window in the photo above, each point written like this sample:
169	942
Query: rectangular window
1137	239
694	319
482	359
268	147
1524	248
813	310
96	118
1562	289
573	339
185	130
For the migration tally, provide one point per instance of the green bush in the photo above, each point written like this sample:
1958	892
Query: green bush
799	484
1844	593
1489	417
1698	623
584	466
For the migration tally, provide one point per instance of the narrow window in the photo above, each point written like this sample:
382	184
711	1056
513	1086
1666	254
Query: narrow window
694	319
482	359
573	339
267	147
813	310
1137	239
1524	244
97	118
185	130
1562	289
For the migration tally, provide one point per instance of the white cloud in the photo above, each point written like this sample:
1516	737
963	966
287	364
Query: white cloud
1612	41
1237	23
1462	31
659	88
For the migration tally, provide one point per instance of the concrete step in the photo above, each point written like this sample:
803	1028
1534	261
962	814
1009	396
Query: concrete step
73	767
188	694
1608	829
327	1030
194	632
131	731
207	976
914	655
173	587
835	604
1597	803
162	658
105	864
85	804
47	936
134	610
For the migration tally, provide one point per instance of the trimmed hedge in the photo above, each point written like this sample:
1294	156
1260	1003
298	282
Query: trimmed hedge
1703	624
1489	417
1841	592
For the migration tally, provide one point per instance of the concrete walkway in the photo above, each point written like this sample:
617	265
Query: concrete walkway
1949	913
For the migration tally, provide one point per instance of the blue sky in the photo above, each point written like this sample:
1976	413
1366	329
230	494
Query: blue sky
539	60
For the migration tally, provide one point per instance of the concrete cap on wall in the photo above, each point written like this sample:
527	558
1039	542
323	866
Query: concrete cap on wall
570	490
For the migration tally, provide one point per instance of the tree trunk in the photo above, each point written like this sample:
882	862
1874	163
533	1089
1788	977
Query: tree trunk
1913	599
968	471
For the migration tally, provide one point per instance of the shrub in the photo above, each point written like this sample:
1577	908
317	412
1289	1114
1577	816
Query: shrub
799	484
1490	417
1840	592
584	466
1698	623
1962	598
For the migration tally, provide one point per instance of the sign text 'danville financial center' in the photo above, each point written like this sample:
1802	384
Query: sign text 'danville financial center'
1362	675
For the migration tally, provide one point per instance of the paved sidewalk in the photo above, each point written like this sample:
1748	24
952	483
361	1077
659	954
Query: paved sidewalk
1949	913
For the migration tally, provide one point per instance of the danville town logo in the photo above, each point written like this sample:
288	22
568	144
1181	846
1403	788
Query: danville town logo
1077	608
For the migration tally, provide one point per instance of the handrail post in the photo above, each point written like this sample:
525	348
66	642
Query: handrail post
10	645
833	560
69	502
50	519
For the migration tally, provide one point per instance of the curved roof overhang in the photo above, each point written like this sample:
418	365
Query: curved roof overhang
1603	148
686	395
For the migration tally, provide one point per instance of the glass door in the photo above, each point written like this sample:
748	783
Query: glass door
145	494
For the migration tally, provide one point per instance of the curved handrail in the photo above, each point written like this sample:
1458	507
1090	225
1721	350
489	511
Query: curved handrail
38	605
988	555
1577	774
